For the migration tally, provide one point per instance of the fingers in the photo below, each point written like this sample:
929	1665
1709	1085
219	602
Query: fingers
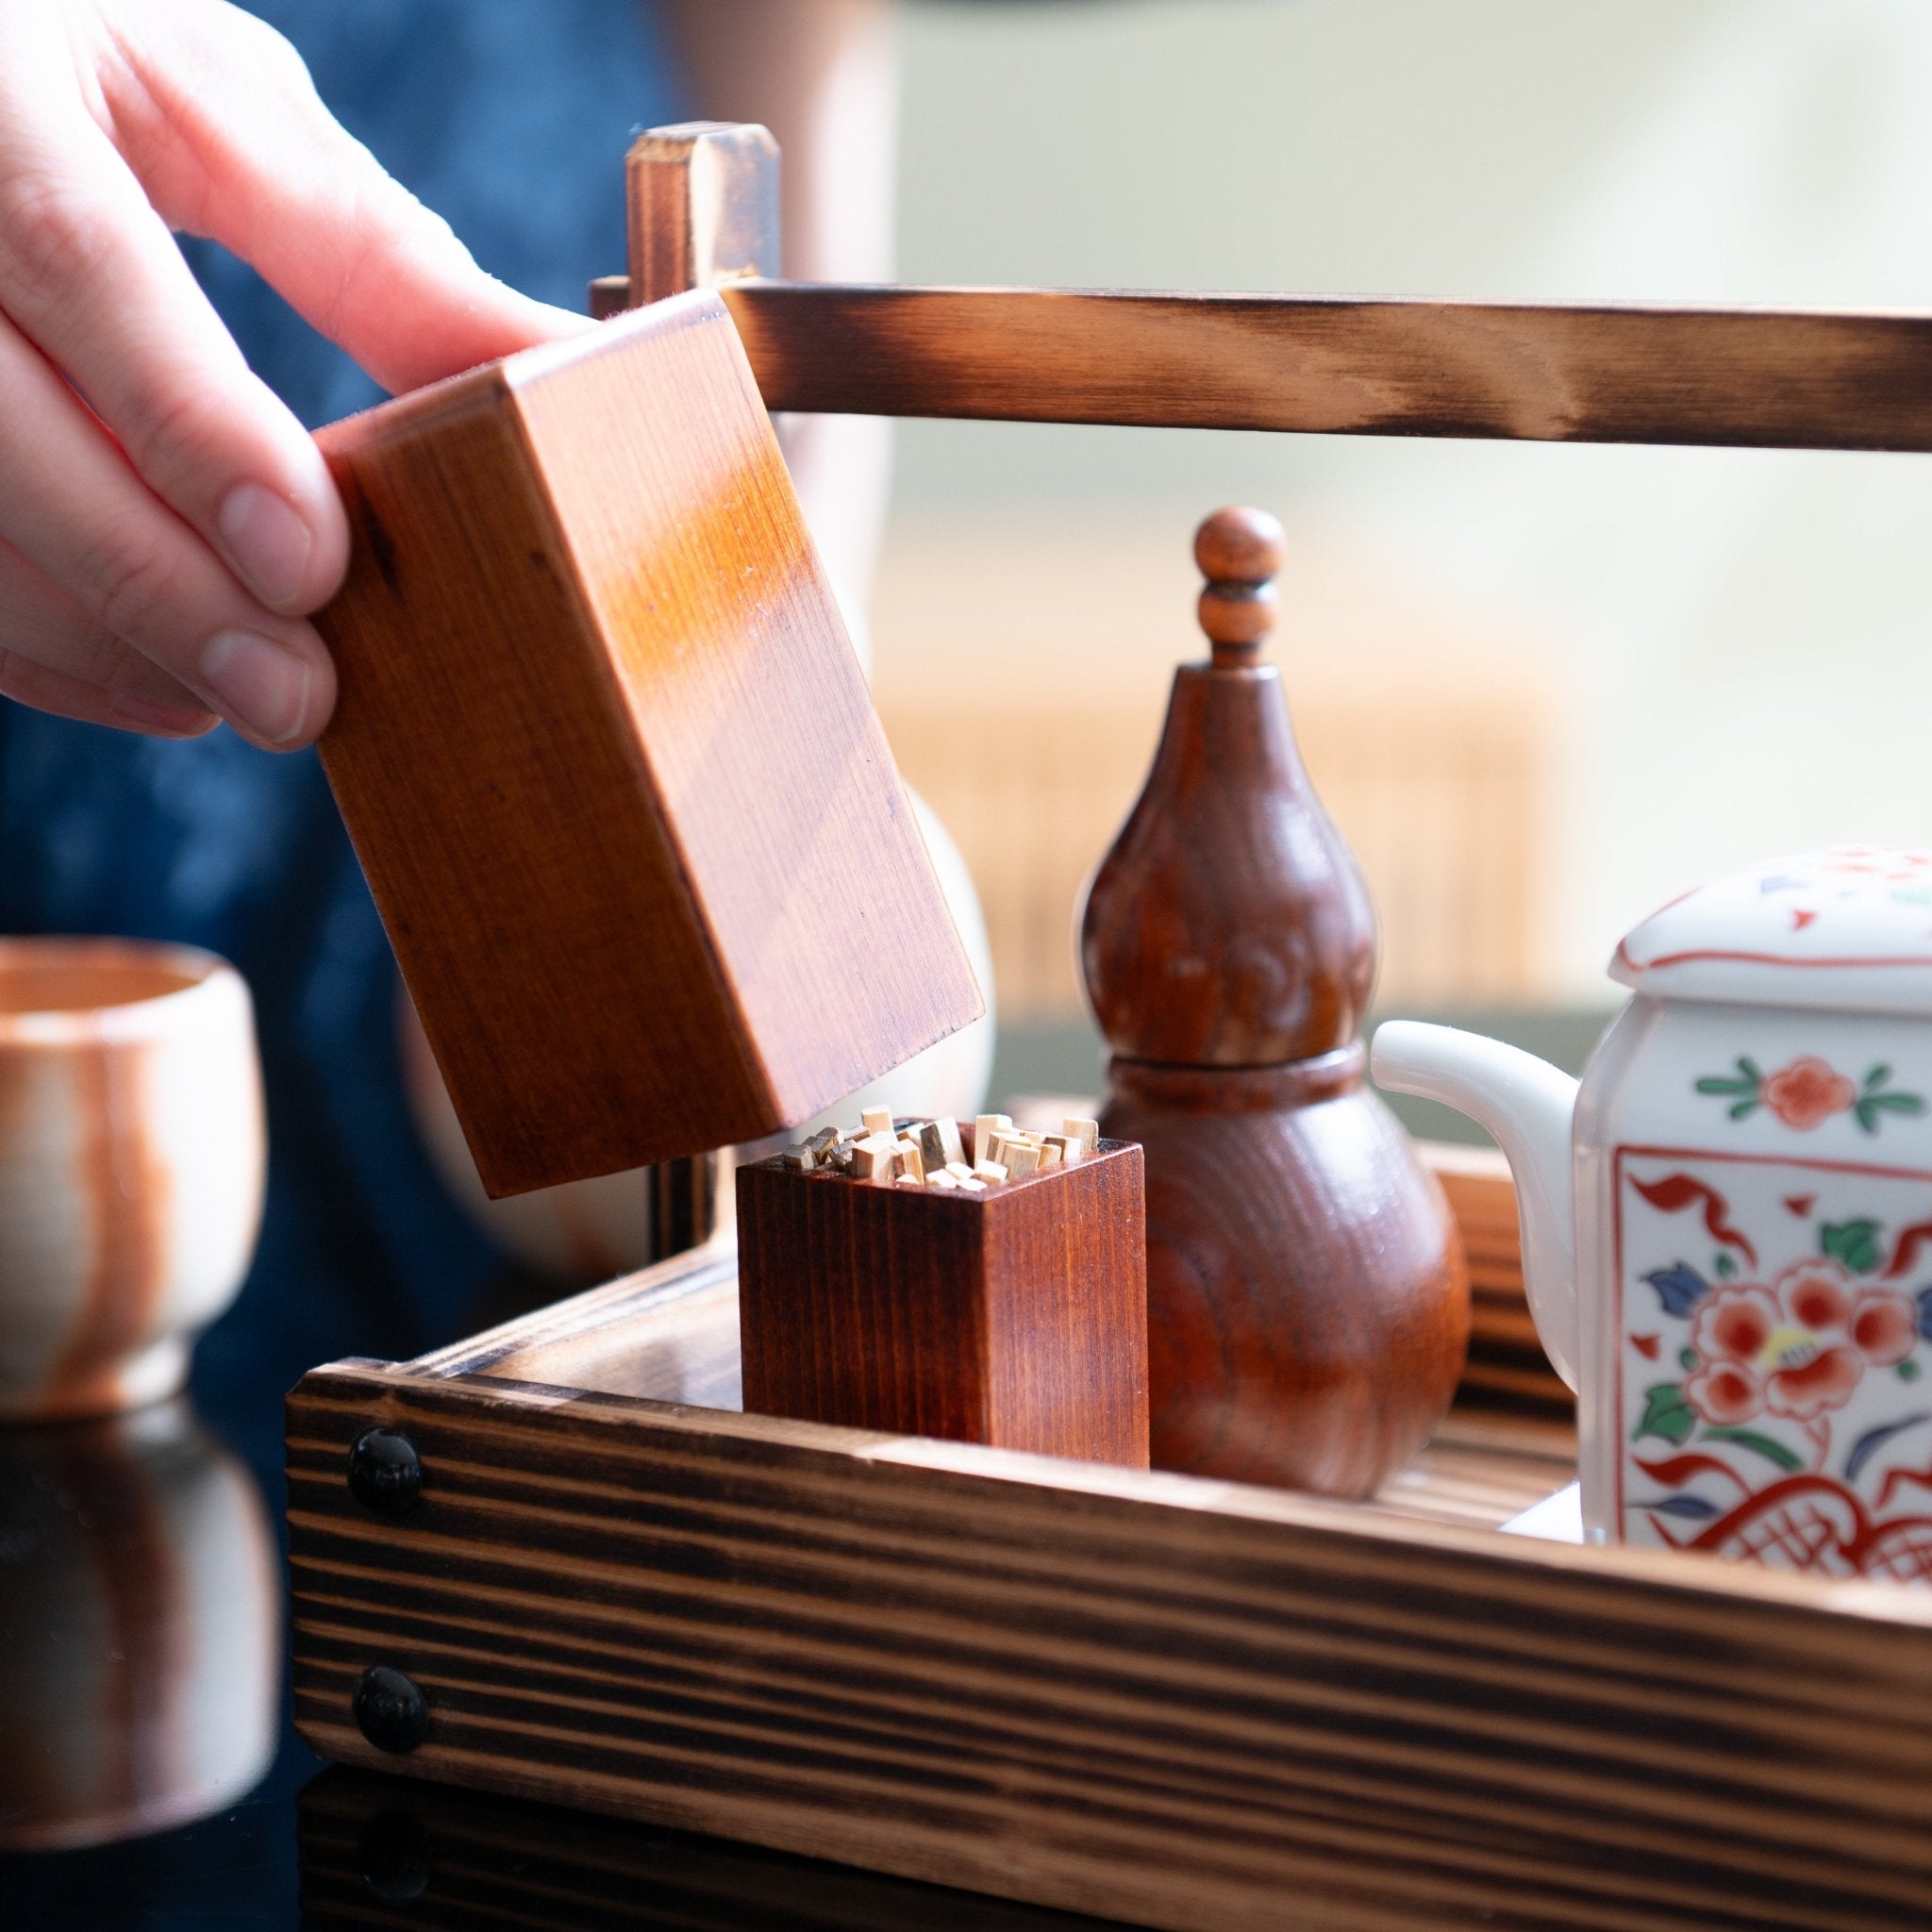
41	627
172	514
217	115
70	697
73	508
89	273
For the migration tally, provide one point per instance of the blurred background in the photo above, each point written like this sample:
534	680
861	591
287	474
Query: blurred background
1541	688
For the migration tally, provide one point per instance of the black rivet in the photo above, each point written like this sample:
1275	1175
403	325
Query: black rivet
385	1471
390	1710
395	1856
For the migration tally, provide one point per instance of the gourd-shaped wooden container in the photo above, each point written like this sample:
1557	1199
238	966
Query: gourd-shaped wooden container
1307	1301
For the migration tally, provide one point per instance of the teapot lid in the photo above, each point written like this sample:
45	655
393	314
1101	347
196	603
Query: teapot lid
1848	927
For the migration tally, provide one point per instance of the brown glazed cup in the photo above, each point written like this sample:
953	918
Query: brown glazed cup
132	1156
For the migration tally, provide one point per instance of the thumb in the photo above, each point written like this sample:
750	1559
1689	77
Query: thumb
224	127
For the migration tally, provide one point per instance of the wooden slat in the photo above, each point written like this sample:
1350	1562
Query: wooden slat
1364	366
1172	1701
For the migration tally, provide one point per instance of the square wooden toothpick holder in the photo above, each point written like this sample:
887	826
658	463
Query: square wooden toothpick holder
1016	1317
610	764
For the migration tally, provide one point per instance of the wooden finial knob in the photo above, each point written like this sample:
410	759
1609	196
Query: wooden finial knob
1239	552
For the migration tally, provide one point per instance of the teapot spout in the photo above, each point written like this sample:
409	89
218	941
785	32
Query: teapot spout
1528	1105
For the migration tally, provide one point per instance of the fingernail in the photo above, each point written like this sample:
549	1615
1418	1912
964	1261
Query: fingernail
258	686
177	721
267	542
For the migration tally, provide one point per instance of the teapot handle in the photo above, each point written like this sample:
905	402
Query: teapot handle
1529	1107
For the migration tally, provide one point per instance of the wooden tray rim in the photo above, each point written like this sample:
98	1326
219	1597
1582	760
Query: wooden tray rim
465	1369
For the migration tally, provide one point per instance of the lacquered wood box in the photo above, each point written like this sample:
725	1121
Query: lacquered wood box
1015	1316
1144	1696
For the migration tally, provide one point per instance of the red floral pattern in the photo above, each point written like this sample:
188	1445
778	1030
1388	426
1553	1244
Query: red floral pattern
1883	1326
1796	1349
1807	1093
1796	1406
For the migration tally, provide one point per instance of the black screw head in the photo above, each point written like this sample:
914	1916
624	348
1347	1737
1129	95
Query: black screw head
390	1710
385	1471
395	1856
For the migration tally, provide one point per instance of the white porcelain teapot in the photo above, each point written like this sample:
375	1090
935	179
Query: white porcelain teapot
1727	1223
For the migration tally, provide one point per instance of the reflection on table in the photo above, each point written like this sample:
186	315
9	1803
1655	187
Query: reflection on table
139	1629
393	1852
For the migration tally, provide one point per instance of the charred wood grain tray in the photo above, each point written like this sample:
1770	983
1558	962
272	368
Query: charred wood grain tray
1137	1695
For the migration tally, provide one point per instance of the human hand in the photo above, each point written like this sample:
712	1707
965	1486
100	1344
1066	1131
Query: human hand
162	541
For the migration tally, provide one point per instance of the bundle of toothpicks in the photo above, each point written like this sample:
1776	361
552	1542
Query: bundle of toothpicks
932	1153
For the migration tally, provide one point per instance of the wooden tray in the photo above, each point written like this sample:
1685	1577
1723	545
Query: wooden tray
1148	1697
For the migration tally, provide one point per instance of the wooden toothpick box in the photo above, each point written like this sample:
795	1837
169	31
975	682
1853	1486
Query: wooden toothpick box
1016	1317
609	762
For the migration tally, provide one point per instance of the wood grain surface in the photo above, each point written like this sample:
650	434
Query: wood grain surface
1183	1704
1377	366
1308	1308
1017	1317
1481	1469
610	763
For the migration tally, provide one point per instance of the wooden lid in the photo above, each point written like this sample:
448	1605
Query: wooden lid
610	765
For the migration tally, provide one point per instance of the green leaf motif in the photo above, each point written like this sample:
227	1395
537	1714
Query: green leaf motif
1688	1357
1742	1086
1908	1370
1854	1244
1750	1438
1873	1105
1723	1266
1666	1413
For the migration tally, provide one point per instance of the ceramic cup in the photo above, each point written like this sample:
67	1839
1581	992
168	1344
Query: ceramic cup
131	1166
